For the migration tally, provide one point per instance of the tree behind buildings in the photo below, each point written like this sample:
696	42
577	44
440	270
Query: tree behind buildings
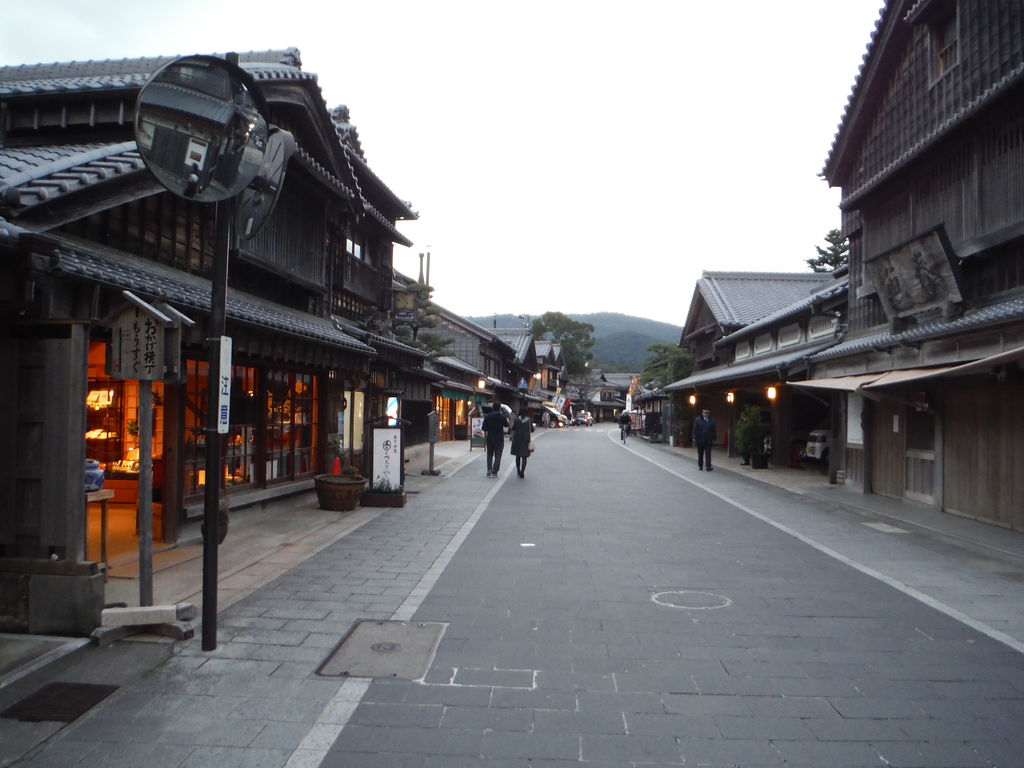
665	364
831	258
575	338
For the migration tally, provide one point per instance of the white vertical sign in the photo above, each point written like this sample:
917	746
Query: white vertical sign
224	386
387	458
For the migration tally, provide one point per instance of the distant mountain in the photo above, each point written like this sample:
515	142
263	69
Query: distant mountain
621	340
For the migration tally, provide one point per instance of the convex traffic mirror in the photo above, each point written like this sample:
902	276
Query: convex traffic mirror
199	128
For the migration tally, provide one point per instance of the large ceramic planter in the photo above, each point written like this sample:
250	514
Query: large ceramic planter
374	499
339	493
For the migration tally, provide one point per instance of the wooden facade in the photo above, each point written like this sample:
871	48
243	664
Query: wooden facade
81	221
929	157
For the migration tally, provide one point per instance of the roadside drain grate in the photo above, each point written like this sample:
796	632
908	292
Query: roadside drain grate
384	649
58	702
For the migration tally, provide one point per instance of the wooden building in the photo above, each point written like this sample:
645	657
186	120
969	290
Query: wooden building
749	332
82	220
929	156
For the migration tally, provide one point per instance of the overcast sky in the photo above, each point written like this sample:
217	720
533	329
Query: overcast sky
568	155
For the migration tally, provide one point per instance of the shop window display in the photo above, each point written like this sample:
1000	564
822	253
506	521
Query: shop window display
291	425
112	426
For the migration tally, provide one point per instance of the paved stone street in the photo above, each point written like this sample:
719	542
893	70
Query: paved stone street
614	608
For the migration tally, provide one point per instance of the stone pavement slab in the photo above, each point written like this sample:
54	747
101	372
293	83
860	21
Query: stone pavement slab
613	608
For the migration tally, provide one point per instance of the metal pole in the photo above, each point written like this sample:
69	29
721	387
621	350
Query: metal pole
146	492
214	467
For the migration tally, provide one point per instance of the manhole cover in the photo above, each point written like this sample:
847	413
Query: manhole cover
691	600
58	702
384	649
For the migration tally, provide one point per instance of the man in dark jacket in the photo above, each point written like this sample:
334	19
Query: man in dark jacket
704	437
494	425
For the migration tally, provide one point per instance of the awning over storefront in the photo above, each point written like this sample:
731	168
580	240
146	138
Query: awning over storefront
453	390
865	381
842	383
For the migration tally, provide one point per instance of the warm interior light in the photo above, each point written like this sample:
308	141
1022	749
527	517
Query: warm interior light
97	399
480	384
730	397
693	399
771	393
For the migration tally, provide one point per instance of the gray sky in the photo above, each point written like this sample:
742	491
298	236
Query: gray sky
569	155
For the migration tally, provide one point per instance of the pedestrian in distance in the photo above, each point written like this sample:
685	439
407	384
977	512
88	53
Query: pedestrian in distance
704	435
494	425
521	429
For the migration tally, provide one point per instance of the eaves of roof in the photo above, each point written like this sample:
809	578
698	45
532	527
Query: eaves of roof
11	234
401	205
458	364
978	318
44	173
839	139
748	368
263	66
121	270
375	339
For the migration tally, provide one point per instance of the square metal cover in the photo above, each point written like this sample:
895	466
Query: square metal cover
384	649
58	702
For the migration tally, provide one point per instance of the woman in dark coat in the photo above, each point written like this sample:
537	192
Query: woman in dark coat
521	428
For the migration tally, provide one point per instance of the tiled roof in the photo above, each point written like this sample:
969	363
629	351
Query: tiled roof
740	298
10	233
45	173
847	111
972	319
518	338
113	74
458	364
1008	82
131	74
748	368
797	308
621	380
121	270
375	339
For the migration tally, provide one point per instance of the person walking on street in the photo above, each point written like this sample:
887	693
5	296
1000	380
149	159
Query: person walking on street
521	428
704	437
494	425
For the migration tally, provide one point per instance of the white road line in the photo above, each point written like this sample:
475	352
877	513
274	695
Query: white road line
906	589
325	731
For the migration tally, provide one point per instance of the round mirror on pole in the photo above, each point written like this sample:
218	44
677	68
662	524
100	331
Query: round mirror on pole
259	198
199	128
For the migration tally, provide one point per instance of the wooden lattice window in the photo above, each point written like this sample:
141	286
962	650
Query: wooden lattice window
945	38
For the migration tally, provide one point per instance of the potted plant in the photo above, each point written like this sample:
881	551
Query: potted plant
382	494
750	434
339	492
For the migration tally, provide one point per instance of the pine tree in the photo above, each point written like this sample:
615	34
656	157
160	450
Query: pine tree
831	258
